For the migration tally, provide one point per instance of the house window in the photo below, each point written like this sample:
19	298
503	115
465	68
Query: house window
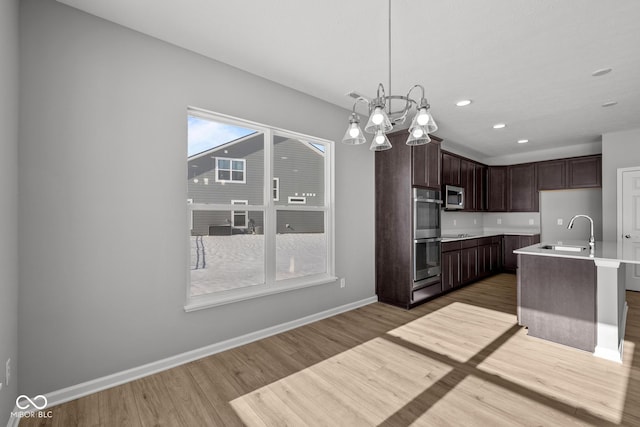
239	219
279	240
276	189
230	170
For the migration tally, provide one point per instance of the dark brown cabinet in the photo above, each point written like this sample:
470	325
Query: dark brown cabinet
395	172
584	172
450	270
426	165
497	188
577	172
481	187
450	169
522	188
513	242
468	182
468	261
552	175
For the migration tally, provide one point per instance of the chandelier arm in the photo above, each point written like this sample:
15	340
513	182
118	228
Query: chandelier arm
360	99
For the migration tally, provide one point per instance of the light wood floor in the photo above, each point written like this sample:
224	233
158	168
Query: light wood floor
460	360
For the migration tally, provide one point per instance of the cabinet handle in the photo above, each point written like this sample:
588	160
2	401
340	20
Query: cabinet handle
627	236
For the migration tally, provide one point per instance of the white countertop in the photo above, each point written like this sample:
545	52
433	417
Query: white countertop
604	251
452	237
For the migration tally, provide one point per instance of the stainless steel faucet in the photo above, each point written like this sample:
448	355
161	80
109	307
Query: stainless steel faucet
592	239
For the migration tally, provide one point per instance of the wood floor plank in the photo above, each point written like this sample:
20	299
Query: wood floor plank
117	407
154	404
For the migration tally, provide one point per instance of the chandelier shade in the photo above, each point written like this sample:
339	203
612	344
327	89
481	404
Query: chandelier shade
354	135
380	141
418	136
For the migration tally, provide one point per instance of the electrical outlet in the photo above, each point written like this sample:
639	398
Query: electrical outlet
455	222
530	221
499	221
8	371
475	221
0	386
559	221
343	282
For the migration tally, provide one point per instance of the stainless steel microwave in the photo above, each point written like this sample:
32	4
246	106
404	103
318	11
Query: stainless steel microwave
453	197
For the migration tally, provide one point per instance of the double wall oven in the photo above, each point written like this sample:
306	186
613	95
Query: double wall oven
426	237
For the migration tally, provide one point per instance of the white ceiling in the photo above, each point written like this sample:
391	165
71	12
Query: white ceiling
527	63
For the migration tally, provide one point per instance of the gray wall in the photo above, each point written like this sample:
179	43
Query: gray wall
565	204
619	150
8	202
103	253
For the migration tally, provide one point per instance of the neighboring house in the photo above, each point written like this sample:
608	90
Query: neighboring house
233	173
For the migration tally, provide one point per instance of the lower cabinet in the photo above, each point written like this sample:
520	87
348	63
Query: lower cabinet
468	265
450	270
466	261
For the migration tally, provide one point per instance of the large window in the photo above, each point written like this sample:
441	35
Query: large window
275	242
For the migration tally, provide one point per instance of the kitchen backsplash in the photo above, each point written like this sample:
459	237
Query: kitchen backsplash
489	222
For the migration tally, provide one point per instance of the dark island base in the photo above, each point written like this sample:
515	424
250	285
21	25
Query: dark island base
557	299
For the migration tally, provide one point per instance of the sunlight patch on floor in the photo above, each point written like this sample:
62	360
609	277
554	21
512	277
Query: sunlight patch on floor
575	378
361	386
447	332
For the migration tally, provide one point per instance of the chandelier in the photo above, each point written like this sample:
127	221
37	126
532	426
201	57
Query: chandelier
382	118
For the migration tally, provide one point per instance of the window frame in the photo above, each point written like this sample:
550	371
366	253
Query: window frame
231	180
269	211
244	213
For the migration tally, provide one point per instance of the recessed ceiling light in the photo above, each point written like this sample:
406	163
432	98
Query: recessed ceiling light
601	72
609	103
523	141
463	102
499	126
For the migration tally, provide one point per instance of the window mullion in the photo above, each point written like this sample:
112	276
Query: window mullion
270	212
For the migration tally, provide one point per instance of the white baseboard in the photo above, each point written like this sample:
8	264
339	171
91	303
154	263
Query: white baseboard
103	383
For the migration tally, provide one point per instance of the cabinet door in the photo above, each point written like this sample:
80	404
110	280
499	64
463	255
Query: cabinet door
523	193
484	260
510	244
552	175
469	265
497	188
450	169
450	270
584	172
467	180
481	187
426	165
495	258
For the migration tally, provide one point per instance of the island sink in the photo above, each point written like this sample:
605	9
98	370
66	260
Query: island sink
567	248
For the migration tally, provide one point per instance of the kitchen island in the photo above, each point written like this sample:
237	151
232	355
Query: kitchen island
574	295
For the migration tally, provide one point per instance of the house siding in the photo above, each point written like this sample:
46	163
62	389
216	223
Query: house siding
298	165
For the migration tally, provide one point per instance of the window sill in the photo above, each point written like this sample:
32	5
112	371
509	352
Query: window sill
213	300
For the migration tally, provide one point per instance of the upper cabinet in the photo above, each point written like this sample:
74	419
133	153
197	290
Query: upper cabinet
450	169
576	172
584	172
425	164
497	188
515	188
552	175
522	191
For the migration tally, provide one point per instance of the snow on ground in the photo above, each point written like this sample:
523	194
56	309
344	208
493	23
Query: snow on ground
237	261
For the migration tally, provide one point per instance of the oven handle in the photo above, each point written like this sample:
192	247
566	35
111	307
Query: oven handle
435	239
428	201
